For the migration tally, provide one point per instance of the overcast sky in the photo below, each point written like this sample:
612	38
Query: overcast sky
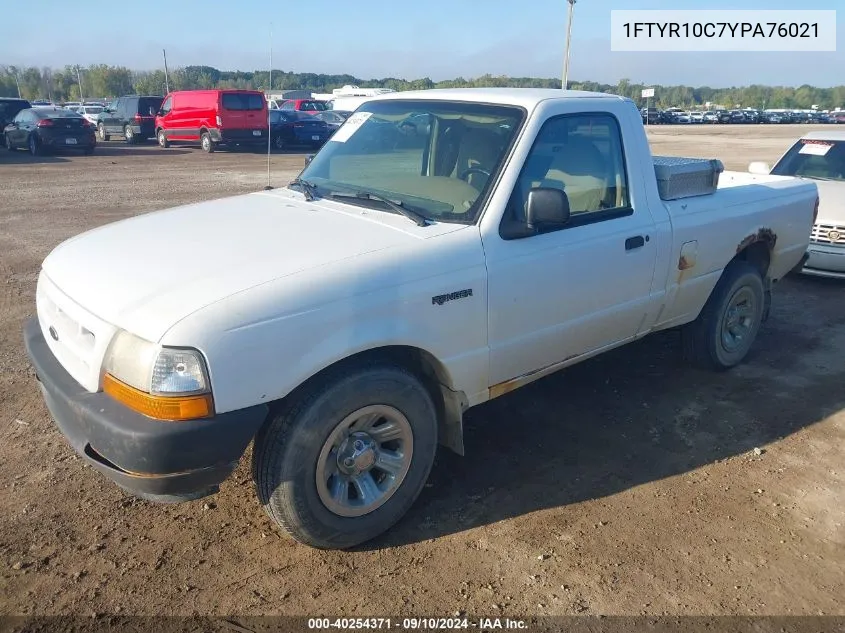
439	39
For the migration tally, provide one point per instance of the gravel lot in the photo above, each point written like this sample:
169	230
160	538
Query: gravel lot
628	484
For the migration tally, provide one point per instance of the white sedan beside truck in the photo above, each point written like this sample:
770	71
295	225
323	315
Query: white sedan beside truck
819	157
346	322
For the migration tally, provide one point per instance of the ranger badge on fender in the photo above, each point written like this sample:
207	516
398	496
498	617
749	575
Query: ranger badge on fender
460	294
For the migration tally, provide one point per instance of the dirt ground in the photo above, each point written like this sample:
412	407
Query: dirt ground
626	485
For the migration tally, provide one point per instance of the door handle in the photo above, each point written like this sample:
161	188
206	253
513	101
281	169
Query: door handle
634	242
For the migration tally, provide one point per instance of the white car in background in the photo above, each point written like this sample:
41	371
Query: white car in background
90	112
696	117
820	157
710	117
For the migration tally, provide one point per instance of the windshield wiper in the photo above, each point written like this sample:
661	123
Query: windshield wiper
396	205
309	189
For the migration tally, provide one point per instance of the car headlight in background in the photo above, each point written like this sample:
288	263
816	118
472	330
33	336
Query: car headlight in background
164	383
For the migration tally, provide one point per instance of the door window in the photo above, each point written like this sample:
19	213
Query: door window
167	105
582	155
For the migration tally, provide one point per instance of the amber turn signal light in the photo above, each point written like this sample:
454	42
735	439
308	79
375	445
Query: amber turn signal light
170	408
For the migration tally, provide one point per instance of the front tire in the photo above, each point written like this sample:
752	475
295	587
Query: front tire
722	335
161	137
345	459
101	132
9	145
129	135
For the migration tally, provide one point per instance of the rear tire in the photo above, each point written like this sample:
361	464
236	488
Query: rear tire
206	143
161	137
101	132
722	335
34	146
380	412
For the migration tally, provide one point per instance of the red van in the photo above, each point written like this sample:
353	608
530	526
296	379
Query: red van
213	117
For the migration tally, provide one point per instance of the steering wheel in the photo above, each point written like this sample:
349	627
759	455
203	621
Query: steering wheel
473	170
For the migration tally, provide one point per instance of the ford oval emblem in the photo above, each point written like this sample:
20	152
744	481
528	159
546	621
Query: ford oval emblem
53	333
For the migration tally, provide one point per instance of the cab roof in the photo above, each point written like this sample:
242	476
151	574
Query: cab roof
525	97
826	135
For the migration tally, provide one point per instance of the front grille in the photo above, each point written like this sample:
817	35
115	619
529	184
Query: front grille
828	234
77	338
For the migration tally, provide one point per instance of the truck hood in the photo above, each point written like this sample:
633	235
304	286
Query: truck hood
831	202
146	273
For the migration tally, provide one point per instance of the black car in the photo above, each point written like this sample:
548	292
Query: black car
41	129
333	118
133	117
9	109
291	127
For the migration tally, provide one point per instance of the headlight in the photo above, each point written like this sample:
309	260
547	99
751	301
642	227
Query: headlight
165	383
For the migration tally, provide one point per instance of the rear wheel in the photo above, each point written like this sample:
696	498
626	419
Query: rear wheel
206	142
345	460
101	132
34	146
129	134
161	137
722	335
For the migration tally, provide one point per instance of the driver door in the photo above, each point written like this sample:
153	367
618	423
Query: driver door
571	290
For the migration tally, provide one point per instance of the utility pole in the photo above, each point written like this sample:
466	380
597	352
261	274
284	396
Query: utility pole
17	81
79	81
166	79
565	81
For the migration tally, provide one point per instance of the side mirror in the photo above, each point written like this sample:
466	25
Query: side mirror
308	159
760	168
546	206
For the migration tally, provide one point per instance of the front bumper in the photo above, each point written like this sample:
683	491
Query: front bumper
159	461
825	261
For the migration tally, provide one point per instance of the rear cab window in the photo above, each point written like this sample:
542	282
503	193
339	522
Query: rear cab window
148	105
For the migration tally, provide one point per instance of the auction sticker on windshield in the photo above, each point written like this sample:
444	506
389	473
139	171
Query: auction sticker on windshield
345	131
815	148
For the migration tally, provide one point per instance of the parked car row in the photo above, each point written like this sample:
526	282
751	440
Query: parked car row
676	116
209	118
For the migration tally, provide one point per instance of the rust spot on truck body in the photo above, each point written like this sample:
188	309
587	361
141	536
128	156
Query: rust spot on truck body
513	384
765	235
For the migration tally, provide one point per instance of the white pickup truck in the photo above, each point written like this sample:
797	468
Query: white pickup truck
444	248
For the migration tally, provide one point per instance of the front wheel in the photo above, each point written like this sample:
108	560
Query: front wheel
722	335
161	137
129	134
9	145
346	459
279	142
101	132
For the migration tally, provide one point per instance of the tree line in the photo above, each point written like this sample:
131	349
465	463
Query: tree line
104	81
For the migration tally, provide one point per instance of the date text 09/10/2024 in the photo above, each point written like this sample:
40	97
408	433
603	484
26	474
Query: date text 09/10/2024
412	624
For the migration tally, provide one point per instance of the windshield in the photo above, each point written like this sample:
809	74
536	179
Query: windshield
435	157
813	158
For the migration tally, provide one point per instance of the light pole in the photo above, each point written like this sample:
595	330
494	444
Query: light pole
565	82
